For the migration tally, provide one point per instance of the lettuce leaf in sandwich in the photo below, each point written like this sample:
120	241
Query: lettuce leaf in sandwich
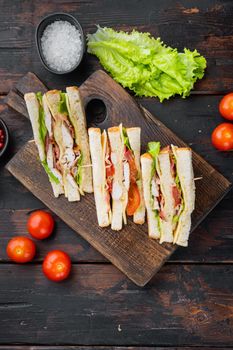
153	150
42	134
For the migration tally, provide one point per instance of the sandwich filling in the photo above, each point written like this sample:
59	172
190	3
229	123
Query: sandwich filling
131	176
157	198
71	159
109	169
72	156
51	149
176	191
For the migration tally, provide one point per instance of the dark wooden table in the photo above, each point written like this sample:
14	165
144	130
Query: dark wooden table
190	301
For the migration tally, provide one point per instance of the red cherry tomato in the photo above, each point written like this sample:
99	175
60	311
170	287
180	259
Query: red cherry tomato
21	249
56	265
133	199
222	137
40	224
226	106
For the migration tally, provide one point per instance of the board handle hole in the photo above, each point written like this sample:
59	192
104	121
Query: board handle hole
96	111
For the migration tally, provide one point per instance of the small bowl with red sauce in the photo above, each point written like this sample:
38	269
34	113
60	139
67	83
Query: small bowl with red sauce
4	137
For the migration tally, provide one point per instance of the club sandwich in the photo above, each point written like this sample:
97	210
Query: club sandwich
59	129
169	192
117	175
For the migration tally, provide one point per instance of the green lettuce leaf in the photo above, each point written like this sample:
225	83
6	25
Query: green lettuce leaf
79	171
154	149
43	132
62	108
156	212
175	219
52	177
39	97
126	139
177	181
42	126
145	64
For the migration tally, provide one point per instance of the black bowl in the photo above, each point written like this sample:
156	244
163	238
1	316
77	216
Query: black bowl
40	30
6	134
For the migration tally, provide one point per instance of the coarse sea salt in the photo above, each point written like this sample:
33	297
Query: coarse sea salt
61	45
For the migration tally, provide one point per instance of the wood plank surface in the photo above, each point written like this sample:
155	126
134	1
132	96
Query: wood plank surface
98	305
203	25
130	250
207	26
211	242
99	347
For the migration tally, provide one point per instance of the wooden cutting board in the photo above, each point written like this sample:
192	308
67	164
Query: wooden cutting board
130	249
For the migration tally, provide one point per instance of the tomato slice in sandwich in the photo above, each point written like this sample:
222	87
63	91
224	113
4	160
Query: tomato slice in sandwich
133	199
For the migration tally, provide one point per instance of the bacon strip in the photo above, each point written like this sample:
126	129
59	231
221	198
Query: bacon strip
109	174
133	172
47	142
56	151
176	193
132	166
162	215
176	196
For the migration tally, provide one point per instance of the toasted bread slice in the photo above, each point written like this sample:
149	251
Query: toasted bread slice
33	107
118	190
98	149
33	111
163	168
78	120
147	166
184	169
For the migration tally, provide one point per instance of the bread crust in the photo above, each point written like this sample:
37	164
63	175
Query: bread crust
147	165
78	120
117	146
99	176
33	111
183	156
146	156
